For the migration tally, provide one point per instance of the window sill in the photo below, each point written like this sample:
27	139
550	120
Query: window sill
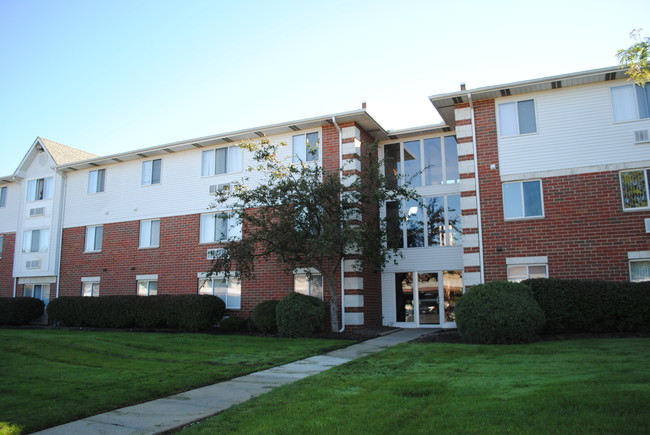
92	252
518	219
148	247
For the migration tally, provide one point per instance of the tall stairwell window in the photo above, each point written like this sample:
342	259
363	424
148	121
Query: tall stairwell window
39	189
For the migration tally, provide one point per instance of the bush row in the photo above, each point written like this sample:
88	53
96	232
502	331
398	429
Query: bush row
184	312
20	311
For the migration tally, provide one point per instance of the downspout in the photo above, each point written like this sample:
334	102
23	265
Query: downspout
64	180
478	193
15	283
338	128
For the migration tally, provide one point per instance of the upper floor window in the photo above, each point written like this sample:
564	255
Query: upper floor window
3	196
306	147
222	161
36	240
94	235
523	199
630	102
422	162
150	233
219	227
151	172
635	188
434	221
96	181
40	188
517	118
228	289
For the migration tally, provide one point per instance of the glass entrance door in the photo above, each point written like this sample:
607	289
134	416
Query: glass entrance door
427	298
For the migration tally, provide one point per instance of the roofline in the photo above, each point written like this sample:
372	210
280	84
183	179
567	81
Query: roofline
438	126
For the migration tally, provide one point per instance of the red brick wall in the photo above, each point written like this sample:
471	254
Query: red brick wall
7	265
584	234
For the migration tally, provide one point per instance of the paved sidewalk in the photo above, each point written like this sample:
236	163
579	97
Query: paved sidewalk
182	409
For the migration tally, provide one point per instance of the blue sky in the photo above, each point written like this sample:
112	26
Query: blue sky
111	76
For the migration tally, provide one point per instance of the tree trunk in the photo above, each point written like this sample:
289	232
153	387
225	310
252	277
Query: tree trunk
334	302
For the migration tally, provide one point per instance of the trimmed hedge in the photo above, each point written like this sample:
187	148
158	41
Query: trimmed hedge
264	317
234	324
499	312
20	311
299	315
184	312
593	306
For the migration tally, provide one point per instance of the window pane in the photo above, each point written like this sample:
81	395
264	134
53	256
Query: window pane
512	201
207	228
235	159
234	295
31	190
301	284
36	241
623	102
643	101
517	273
316	286
146	172
48	184
92	182
100	179
3	196
640	271
90	238
221	227
526	112
155	171
412	163
221	157
391	163
99	232
393	227
436	220
451	160
433	161
414	224
537	272
508	119
299	148
532	198
235	229
635	189
155	233
205	286
207	163
454	236
153	288
27	241
145	233
312	146
44	243
142	288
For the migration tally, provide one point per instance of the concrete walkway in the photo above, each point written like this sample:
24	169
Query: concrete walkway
179	410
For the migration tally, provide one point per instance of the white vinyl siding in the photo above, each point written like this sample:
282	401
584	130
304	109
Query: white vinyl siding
630	102
219	227
94	235
40	189
151	172
96	181
222	161
517	118
150	233
36	240
306	147
227	289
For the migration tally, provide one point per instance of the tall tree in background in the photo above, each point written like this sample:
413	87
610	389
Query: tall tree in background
635	57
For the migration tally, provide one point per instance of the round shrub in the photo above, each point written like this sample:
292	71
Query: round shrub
299	315
264	317
499	312
20	311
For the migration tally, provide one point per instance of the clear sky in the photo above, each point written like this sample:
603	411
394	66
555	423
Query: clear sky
108	76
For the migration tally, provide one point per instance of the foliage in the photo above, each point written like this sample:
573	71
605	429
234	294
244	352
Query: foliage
635	57
20	311
234	324
499	312
264	317
299	315
306	217
184	312
593	306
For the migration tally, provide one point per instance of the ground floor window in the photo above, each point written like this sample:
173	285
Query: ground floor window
522	268
310	287
147	285
90	286
227	289
640	270
38	291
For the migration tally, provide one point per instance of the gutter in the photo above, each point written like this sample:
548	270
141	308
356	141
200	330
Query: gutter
338	128
478	193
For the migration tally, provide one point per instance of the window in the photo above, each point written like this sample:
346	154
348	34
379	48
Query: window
640	270
219	227
306	147
434	221
90	286
151	172
425	162
517	118
222	161
150	233
630	102
38	291
36	241
94	236
3	196
39	189
147	285
96	181
310	287
227	289
634	188
518	273
523	200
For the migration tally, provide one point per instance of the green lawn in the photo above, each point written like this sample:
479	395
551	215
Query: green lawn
597	386
49	377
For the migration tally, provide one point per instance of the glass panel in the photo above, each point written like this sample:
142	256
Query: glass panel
221	227
100	179
537	272
31	190
312	146
142	288
412	163
44	242
153	288
451	160
517	273
28	291
145	233
316	286
47	187
454	234
436	220
512	201
452	281
635	189
433	161
235	159
220	288
414	224
205	286
643	101
235	230
36	241
234	295
146	172
27	241
428	301
221	160
155	171
87	289
92	182
404	297
508	119
207	228
3	196
623	103
90	239
38	291
207	163
394	237
640	271
527	123
299	148
532	198
391	164
301	284
155	233
99	232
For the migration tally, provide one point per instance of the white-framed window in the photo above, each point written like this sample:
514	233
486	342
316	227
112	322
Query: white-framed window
517	118
220	227
2	242
38	291
523	199
96	181
306	147
150	233
630	102
3	196
518	273
36	240
310	287
151	172
227	289
433	221
635	189
147	285
94	235
639	266
90	286
222	161
39	189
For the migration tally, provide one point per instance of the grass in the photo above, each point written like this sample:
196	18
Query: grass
51	377
596	386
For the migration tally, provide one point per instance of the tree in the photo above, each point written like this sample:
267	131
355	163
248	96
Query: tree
635	58
307	218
